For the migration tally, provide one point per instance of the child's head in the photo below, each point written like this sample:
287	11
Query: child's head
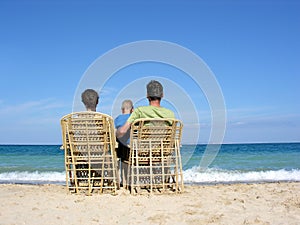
127	107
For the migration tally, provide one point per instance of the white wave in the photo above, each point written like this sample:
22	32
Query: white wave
196	175
33	177
193	175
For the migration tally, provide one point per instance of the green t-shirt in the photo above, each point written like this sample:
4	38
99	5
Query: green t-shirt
150	112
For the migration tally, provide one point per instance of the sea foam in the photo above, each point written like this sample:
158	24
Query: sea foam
33	177
196	175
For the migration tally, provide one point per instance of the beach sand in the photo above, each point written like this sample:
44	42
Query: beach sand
267	203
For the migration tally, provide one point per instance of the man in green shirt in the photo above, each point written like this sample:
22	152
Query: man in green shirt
154	110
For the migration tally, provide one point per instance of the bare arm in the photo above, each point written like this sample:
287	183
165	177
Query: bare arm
122	130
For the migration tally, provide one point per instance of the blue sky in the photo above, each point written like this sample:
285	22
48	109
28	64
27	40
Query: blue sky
252	47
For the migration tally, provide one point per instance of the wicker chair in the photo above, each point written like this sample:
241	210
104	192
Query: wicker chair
90	157
155	161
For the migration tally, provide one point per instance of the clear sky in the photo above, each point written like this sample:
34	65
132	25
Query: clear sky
252	47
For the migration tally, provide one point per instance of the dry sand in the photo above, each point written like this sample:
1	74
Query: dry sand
269	203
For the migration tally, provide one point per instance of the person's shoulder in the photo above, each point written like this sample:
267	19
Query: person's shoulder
118	117
166	109
169	113
141	109
122	116
121	120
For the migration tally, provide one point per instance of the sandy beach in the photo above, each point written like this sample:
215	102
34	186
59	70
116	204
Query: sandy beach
268	203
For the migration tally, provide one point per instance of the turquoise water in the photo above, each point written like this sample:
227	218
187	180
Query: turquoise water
248	157
233	163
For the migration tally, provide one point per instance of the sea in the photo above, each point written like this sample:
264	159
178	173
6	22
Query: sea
232	163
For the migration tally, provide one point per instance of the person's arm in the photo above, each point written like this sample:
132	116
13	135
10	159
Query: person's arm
122	130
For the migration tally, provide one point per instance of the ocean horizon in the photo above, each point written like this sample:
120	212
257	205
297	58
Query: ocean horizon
234	163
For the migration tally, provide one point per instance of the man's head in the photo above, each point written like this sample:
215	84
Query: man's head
90	99
127	107
154	90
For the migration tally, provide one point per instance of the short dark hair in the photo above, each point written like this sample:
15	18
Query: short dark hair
154	98
154	89
90	98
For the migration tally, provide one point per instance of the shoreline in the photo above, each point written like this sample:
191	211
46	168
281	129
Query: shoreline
242	203
59	183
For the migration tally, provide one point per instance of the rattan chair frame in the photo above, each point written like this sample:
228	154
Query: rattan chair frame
90	156
155	160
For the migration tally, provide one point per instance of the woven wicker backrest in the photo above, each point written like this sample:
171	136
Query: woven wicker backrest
155	161
90	157
88	130
158	132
